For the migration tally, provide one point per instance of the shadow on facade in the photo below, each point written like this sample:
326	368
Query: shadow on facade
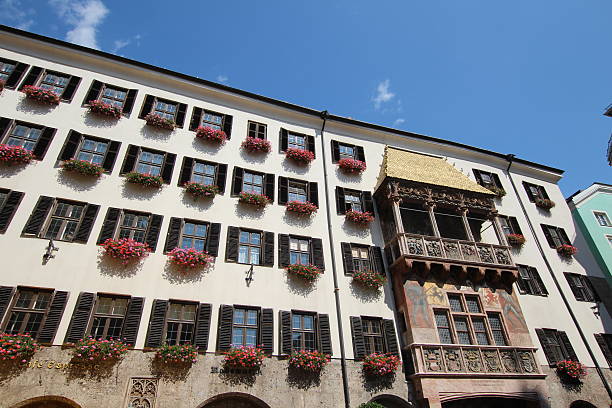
355	230
302	379
203	146
133	191
11	170
75	180
82	370
374	384
99	121
296	220
297	286
173	373
248	211
348	178
10	369
391	401
33	107
365	295
200	204
114	268
177	275
154	133
253	158
290	167
239	377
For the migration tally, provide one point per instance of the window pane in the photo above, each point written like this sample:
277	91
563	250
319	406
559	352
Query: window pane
455	303
237	336
472	304
296	321
251	337
252	317
239	315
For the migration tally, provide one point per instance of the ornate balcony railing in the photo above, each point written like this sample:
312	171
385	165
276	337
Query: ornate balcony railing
445	250
469	360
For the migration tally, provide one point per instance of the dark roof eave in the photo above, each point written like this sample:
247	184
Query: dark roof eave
266	99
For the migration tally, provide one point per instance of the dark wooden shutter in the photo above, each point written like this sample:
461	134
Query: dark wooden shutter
571	354
196	118
202	329
43	143
54	316
522	285
168	167
549	237
212	241
267	331
285	332
564	236
94	92
313	193
221	177
70	146
237	181
38	216
268	249
13	79
543	192
89	218
359	153
227	125
269	186
516	228
368	204
602	290
477	176
317	253
340	203
543	337
572	284
528	191
155	222
284	140
70	88
180	114
174	233
536	276
359	349
283	250
226	318
32	77
347	258
155	333
390	339
9	209
376	259
325	345
80	317
110	223
147	106
128	105
497	181
132	320
111	156
6	293
283	190
5	123
604	347
186	169
231	250
335	151
130	159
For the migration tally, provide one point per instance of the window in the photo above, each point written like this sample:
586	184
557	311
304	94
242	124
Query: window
509	225
605	343
249	250
416	220
480	331
113	96
203	173
373	335
92	151
6	69
443	325
194	235
212	120
108	317
303	332
450	225
180	323
150	163
257	130
252	183
352	200
165	109
361	258
55	82
473	305
28	312
556	345
64	221
461	330
497	329
25	136
581	287
346	151
529	281
299	251
535	192
297	191
555	236
3	196
134	226
296	141
244	327
602	219
487	179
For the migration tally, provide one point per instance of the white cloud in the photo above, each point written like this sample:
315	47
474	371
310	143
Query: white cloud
120	43
84	16
13	13
222	78
382	93
398	121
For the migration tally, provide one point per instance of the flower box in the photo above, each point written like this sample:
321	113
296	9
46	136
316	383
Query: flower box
313	361
177	354
211	135
516	240
258	200
301	208
380	365
41	95
189	258
299	155
155	120
360	218
544	203
198	190
93	350
83	167
125	249
498	191
105	109
244	357
369	279
309	273
147	180
352	166
18	347
256	145
571	370
567	250
14	155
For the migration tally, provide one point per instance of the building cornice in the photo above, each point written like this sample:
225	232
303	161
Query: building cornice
576	199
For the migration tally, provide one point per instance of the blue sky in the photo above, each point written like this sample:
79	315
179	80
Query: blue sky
525	77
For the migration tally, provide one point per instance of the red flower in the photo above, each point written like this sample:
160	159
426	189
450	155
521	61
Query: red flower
146	180
125	249
16	346
198	190
369	279
515	239
302	208
544	203
189	258
156	120
299	155
177	354
41	95
380	364
83	167
571	369
258	200
14	154
306	360
309	273
106	109
567	250
352	165
93	350
211	135
359	217
256	145
244	357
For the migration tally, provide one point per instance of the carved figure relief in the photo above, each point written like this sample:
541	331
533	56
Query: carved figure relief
433	248
142	393
435	295
472	360
509	361
527	363
433	359
485	254
415	246
503	258
492	363
452	357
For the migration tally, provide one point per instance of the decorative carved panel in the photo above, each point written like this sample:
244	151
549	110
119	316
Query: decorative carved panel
469	252
433	248
486	255
509	362
142	393
452	250
452	358
415	246
527	362
503	257
433	359
473	361
491	360
442	196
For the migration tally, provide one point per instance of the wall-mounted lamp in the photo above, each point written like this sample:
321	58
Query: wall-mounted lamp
49	252
249	277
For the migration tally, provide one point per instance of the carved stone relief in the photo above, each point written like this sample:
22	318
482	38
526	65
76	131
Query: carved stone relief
452	357
142	393
472	360
433	359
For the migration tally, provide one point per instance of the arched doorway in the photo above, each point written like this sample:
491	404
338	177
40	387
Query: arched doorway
234	400
490	402
390	401
48	401
582	404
